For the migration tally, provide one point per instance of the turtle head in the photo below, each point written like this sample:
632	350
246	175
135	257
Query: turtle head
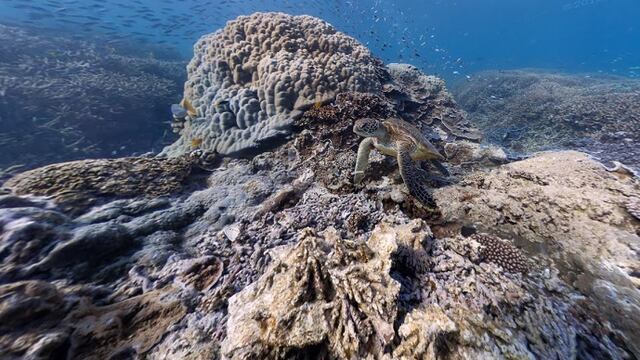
368	127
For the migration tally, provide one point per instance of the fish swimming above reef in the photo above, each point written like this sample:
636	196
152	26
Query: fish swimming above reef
190	109
178	111
195	143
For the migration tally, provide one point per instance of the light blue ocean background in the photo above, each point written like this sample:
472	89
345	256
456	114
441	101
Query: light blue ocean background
453	39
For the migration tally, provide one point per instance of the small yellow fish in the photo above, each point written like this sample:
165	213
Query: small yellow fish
190	109
317	105
195	143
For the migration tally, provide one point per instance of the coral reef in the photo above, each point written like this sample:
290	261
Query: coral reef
252	79
75	184
568	207
278	255
527	110
465	154
66	98
37	314
462	308
424	98
238	252
304	305
333	297
251	82
633	207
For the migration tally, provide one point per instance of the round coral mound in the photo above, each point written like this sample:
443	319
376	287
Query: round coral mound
250	80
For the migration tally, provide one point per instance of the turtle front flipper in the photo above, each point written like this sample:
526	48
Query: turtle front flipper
412	177
363	159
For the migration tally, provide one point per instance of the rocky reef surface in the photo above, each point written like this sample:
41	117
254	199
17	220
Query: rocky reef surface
528	110
278	255
66	97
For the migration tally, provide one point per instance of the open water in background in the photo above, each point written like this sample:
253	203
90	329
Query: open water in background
452	39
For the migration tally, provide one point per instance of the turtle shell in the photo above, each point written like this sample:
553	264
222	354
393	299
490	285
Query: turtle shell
401	130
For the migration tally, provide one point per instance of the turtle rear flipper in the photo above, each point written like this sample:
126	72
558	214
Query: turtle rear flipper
443	170
424	165
434	181
412	176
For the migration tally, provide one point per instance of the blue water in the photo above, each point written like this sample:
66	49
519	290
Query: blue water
452	39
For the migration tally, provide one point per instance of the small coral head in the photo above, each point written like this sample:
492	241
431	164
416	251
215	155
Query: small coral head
368	127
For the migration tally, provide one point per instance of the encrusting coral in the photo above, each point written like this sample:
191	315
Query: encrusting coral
633	207
568	206
89	331
76	183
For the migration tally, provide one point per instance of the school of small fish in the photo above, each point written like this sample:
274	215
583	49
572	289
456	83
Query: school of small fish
383	26
395	31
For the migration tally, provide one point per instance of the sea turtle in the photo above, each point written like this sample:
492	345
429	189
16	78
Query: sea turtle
396	137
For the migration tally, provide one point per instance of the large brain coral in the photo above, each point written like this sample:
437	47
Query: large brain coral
250	80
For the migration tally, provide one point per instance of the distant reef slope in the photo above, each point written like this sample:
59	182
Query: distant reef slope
64	97
529	110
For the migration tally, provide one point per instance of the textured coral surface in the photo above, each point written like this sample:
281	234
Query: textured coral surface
568	207
334	296
250	80
78	181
